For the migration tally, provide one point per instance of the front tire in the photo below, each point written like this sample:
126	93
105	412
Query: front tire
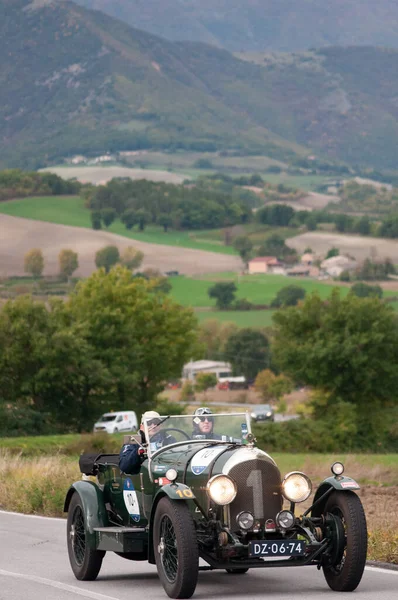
176	548
85	562
346	572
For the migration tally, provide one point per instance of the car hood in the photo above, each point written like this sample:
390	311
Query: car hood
203	459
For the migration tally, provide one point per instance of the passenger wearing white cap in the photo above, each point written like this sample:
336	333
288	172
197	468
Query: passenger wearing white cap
157	437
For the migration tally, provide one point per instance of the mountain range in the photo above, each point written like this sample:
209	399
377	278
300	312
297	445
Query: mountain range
242	25
74	80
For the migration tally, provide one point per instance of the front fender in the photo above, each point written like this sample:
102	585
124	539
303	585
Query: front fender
93	503
175	491
340	483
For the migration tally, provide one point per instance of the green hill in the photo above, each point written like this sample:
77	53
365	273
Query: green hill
286	25
78	81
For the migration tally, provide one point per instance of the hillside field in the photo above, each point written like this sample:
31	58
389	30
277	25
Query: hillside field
258	289
70	210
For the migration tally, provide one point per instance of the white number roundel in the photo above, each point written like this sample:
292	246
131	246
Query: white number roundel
131	500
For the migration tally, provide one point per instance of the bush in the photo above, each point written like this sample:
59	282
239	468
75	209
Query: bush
363	290
204	381
242	304
325	435
289	295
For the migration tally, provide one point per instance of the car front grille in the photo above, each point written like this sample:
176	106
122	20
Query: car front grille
259	490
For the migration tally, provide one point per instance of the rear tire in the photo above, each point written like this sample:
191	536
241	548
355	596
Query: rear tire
85	562
346	573
175	548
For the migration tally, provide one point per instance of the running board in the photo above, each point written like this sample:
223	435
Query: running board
121	539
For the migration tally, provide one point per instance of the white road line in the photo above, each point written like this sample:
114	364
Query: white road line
381	570
58	585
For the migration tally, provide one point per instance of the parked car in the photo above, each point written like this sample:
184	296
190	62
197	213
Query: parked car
114	422
221	500
263	412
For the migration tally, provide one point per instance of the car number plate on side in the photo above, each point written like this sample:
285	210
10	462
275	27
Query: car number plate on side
277	548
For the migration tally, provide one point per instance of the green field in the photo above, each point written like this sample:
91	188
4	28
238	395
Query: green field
250	318
259	289
70	210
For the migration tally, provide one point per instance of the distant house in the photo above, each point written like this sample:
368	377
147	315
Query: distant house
299	270
335	265
221	369
264	264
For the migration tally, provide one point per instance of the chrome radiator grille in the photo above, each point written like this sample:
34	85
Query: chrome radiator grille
258	483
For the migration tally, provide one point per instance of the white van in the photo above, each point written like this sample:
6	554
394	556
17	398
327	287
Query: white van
112	422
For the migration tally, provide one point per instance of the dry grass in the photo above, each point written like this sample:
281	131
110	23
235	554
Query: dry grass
35	486
39	486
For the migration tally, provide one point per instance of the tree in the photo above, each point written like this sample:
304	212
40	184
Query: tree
34	262
107	257
275	245
363	290
289	295
224	293
332	252
47	366
128	218
108	215
248	351
132	258
343	223
204	381
68	263
276	214
96	222
214	335
311	222
271	386
347	347
363	226
142	337
165	221
244	246
143	217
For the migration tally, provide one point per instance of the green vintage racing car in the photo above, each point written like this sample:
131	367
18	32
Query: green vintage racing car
215	497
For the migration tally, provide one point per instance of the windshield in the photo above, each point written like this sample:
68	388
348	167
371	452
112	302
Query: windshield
167	430
106	418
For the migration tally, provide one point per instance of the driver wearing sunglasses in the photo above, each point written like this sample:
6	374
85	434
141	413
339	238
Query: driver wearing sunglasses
157	437
203	423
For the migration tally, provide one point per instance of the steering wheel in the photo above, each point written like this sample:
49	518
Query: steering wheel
166	431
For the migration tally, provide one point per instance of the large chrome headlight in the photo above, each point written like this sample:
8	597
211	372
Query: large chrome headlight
221	489
296	487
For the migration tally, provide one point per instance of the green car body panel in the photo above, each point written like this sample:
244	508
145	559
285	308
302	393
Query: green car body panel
93	504
338	482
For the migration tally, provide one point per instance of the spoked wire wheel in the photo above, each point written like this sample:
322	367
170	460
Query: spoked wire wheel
168	549
78	536
175	547
344	572
85	560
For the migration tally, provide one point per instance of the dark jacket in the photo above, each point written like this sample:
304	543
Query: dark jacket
130	460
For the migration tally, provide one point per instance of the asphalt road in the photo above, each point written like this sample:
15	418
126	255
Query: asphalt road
34	566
